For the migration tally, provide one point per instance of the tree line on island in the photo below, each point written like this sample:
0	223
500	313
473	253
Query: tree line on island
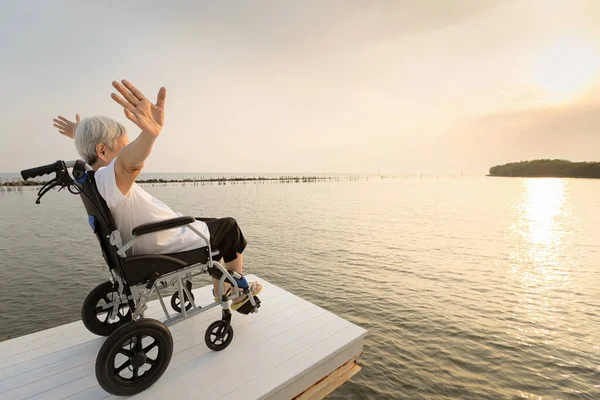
548	168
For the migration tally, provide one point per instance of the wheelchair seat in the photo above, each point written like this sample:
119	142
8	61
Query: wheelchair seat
135	269
141	268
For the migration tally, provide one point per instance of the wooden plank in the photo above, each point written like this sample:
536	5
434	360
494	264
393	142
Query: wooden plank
31	337
302	369
218	375
331	382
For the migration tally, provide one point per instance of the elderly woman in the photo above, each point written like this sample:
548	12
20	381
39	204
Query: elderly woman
103	143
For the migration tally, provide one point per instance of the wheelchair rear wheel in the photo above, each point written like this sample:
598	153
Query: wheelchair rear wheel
96	316
134	357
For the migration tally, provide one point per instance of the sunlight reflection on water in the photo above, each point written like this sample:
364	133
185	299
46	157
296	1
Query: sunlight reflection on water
539	264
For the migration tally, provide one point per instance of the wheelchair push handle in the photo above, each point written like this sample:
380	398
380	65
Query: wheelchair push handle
39	171
50	168
61	177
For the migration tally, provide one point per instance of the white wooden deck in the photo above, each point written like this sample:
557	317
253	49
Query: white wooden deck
278	353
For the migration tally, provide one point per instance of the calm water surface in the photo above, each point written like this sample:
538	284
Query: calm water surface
470	288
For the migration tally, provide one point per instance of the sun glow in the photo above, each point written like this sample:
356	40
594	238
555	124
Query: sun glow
567	68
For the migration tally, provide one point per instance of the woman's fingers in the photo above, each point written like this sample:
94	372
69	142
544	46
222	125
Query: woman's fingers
130	116
62	121
133	90
126	105
125	93
160	99
62	128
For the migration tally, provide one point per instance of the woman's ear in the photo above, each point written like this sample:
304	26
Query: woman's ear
101	151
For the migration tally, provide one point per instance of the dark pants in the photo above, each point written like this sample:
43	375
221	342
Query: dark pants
225	236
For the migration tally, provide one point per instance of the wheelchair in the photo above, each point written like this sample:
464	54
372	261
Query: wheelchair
137	350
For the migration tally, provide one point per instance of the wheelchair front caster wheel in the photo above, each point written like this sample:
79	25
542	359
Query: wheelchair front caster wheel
134	357
216	337
97	306
176	302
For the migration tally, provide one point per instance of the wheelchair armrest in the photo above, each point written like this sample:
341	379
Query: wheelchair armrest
161	225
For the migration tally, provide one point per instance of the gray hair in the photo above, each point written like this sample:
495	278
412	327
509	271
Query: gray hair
93	130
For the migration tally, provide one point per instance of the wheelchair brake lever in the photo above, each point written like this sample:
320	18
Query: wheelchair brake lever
49	185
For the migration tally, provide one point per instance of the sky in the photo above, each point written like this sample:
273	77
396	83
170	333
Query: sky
434	86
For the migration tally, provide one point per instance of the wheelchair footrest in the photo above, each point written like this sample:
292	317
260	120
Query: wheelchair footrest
247	308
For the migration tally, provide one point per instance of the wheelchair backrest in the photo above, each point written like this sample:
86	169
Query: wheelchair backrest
99	217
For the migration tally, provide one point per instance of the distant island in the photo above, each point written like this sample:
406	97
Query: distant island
548	169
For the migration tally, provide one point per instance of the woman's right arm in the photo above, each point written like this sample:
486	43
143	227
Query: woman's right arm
149	118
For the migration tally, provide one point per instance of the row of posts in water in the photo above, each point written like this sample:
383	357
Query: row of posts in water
19	184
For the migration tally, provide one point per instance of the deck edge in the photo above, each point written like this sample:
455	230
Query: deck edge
301	383
331	382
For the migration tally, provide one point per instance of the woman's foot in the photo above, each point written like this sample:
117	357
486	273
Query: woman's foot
255	288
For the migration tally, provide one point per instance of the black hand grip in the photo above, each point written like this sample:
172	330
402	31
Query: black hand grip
39	171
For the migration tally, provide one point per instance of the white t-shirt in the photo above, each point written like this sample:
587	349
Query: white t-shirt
139	207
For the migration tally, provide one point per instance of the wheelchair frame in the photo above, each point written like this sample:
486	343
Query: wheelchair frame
176	278
133	329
